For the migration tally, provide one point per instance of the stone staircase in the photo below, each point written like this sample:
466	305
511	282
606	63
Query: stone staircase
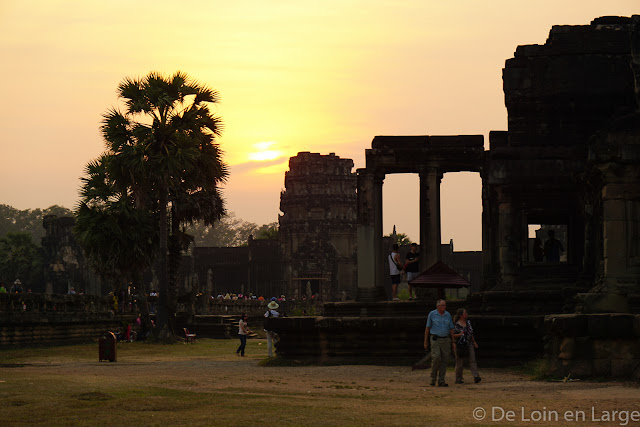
540	276
214	326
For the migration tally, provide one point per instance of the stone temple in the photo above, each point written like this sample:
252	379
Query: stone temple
318	227
569	162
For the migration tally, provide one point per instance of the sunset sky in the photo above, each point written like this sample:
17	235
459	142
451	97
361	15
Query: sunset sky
320	76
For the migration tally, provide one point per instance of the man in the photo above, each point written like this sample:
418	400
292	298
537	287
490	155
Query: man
412	267
271	336
395	271
552	248
17	287
438	335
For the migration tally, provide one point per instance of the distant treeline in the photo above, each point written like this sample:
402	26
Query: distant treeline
28	220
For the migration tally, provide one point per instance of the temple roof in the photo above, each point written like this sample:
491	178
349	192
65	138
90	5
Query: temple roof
439	275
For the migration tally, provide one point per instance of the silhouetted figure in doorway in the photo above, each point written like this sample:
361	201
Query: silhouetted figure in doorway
552	248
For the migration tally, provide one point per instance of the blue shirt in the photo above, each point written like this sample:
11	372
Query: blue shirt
438	324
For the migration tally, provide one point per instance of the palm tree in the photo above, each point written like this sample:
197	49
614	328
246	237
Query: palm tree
118	240
163	151
19	257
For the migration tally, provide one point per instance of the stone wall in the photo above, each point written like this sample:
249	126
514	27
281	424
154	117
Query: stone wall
44	319
393	333
593	345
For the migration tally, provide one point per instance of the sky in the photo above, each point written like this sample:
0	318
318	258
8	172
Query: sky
293	75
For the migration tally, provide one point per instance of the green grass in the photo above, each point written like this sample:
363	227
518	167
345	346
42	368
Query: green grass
536	369
207	384
178	384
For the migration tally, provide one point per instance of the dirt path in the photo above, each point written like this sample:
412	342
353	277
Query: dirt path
333	395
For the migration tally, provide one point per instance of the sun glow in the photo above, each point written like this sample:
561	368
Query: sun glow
263	152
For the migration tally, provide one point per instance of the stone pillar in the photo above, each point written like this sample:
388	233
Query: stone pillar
488	237
370	255
429	217
509	239
621	226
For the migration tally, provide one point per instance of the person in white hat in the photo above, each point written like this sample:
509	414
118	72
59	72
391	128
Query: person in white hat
16	288
271	336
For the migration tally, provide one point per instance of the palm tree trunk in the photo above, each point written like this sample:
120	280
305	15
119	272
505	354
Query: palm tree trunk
174	260
143	303
163	314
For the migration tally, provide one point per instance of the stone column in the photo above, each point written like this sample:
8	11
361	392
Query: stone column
509	239
370	254
488	236
621	227
429	217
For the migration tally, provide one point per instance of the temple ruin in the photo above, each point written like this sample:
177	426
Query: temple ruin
568	162
569	159
318	227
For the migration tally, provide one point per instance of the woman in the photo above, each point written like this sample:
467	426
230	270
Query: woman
243	330
465	343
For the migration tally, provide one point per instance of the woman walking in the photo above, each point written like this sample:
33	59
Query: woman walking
243	330
465	345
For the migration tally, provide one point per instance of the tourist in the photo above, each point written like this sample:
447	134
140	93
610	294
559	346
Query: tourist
538	250
465	345
552	248
438	336
72	291
17	287
3	290
395	270
412	267
271	336
152	305
243	330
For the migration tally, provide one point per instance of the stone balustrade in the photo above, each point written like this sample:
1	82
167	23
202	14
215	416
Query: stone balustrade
594	345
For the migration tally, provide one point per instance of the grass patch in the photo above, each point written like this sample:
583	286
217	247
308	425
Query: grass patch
536	369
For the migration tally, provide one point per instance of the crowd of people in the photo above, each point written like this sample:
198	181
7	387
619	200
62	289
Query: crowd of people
16	288
230	296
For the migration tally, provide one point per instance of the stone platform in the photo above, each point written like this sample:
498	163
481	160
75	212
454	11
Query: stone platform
594	345
393	333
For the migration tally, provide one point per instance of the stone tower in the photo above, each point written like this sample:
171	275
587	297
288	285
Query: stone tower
318	227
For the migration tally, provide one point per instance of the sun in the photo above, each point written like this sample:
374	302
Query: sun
263	152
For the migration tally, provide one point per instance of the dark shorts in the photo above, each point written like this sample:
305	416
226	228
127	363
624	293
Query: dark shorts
395	279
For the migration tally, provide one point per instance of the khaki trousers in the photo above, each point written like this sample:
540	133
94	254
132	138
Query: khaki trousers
440	353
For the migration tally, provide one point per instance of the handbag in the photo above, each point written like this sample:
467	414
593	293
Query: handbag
462	350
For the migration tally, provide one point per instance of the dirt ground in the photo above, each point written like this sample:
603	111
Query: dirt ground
227	390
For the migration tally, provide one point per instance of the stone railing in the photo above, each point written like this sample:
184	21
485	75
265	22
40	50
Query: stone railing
594	345
19	305
253	308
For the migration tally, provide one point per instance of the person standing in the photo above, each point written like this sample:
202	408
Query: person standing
243	330
395	271
438	336
552	248
271	336
465	345
412	267
17	287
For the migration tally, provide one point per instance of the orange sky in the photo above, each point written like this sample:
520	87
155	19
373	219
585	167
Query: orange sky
293	76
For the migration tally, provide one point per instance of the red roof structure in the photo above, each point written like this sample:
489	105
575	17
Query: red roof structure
441	277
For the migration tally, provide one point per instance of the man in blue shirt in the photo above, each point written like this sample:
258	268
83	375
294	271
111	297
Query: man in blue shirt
439	336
